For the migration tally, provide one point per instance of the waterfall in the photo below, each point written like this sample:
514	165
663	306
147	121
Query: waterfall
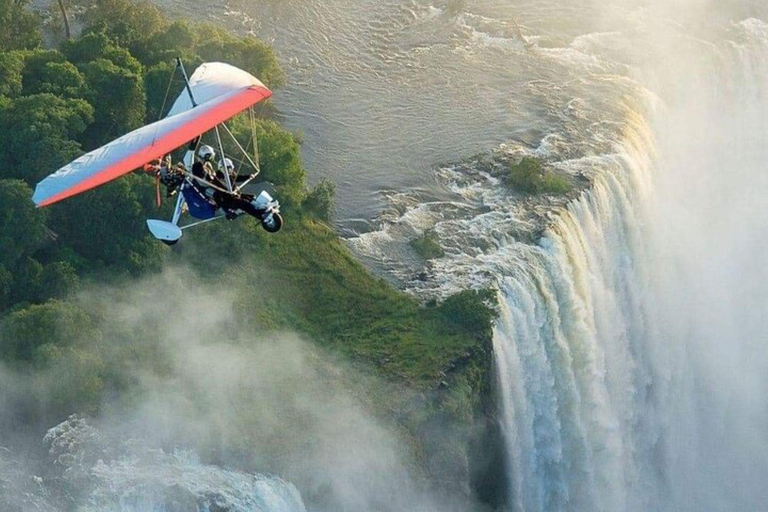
631	344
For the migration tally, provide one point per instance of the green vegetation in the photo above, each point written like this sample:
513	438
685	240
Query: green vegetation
56	104
321	200
20	27
529	176
428	245
315	286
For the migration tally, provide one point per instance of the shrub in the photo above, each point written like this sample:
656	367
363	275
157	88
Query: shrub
428	245
473	310
321	200
529	176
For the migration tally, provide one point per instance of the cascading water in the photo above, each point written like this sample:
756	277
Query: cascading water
631	344
569	353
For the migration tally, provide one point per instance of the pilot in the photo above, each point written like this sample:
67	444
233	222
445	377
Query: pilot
202	166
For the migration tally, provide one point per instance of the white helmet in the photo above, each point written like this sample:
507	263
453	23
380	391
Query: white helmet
206	153
226	164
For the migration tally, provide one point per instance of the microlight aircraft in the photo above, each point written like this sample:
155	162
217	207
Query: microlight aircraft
215	93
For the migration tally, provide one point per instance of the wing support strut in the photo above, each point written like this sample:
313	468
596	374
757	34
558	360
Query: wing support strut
180	65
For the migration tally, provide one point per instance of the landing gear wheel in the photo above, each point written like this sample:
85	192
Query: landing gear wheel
274	223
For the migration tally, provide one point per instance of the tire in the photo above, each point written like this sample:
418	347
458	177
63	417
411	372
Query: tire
275	225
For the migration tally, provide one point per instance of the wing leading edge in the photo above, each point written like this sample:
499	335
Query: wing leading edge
147	143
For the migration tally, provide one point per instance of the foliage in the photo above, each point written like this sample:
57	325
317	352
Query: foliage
140	27
177	40
57	338
118	97
56	323
115	216
22	226
474	310
129	23
305	279
529	176
96	45
160	93
20	27
55	103
247	53
428	245
37	134
47	71
11	66
6	285
321	200
279	158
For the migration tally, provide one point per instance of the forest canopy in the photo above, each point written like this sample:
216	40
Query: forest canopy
57	103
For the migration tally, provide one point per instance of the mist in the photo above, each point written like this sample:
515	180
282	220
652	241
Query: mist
709	234
632	347
225	397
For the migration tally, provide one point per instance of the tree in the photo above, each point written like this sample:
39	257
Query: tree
21	28
97	45
156	84
36	134
113	214
11	66
247	53
118	97
63	10
55	322
177	40
47	71
6	285
22	226
279	159
130	24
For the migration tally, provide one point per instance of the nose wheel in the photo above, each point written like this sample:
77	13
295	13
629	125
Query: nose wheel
272	222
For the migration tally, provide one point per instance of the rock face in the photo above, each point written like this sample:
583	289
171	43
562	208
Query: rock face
91	472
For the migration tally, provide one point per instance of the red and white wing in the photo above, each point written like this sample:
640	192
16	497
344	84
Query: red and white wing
209	81
221	92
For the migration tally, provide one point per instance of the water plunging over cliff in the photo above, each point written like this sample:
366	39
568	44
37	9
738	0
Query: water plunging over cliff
631	348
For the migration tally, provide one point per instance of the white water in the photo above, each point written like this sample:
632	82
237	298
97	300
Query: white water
632	345
131	476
